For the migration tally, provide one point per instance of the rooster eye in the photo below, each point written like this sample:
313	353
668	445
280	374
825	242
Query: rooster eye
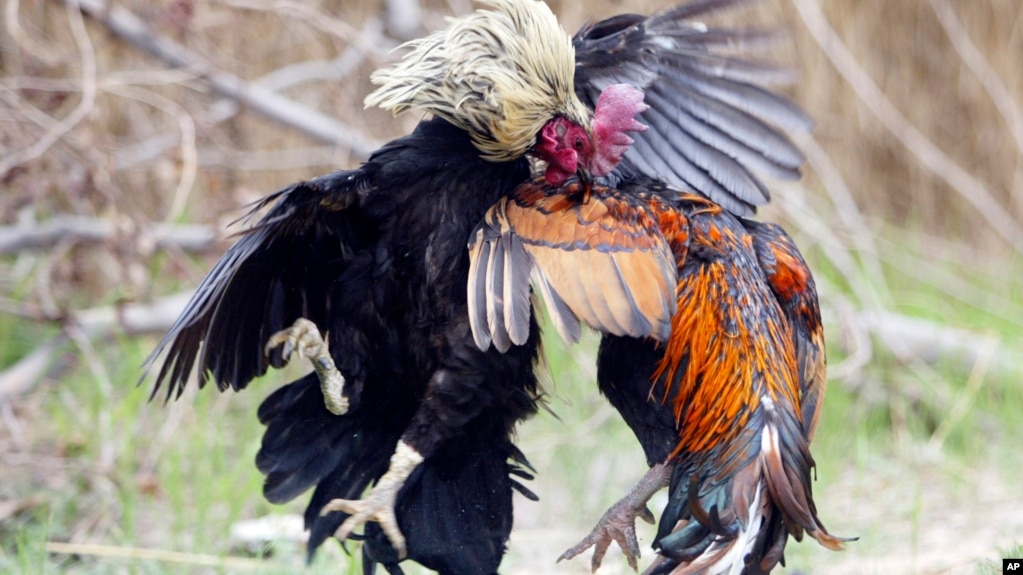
578	143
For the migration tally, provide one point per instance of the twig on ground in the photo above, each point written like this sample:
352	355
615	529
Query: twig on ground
131	319
931	342
192	559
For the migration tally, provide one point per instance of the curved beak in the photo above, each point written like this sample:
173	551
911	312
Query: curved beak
583	173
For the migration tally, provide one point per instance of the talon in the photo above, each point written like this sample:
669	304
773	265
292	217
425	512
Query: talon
647	516
304	337
378	505
618	524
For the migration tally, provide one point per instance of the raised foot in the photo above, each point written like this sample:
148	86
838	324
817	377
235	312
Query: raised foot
378	505
304	337
618	523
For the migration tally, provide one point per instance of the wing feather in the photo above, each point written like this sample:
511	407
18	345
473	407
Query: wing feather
714	121
737	134
517	273
565	321
495	301
479	259
595	257
279	270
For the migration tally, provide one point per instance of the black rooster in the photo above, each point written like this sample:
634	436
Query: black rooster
375	258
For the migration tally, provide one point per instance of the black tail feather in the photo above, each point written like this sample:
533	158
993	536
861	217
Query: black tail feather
455	509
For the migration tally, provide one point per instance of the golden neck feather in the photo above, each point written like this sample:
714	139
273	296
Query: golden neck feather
499	74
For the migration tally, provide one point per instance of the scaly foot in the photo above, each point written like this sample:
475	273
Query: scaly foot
619	522
378	505
304	337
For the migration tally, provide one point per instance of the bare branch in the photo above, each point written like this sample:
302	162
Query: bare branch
189	154
931	342
404	18
335	70
978	64
131	319
133	30
971	189
26	373
57	129
76	229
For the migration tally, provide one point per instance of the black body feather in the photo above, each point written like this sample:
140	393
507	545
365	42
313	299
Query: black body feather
376	257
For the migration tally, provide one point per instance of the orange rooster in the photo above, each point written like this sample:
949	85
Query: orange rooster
713	350
725	405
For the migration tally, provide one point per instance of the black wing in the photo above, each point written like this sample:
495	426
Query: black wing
713	121
281	269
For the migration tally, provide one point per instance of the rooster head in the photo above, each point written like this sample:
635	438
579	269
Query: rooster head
501	74
568	148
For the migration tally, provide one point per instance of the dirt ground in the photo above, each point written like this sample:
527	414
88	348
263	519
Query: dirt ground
910	519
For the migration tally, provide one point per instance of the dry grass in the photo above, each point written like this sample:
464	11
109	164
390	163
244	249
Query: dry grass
912	203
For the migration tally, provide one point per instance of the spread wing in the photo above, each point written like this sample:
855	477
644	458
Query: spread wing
713	121
279	270
793	285
595	255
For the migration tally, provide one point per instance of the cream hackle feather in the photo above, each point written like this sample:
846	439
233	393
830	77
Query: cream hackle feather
499	74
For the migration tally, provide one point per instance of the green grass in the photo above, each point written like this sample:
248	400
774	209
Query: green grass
97	463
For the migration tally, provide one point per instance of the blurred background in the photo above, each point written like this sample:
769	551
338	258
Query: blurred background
131	137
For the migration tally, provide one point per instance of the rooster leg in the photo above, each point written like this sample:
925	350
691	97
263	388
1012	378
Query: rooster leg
304	337
619	522
378	505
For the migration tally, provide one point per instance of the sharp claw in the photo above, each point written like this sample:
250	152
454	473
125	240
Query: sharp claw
378	505
304	337
647	515
619	522
631	548
599	550
617	525
336	505
271	343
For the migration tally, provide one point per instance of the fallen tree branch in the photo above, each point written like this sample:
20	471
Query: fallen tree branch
923	340
42	235
262	100
908	337
336	70
130	319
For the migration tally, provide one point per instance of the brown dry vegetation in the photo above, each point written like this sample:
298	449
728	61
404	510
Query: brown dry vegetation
912	206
